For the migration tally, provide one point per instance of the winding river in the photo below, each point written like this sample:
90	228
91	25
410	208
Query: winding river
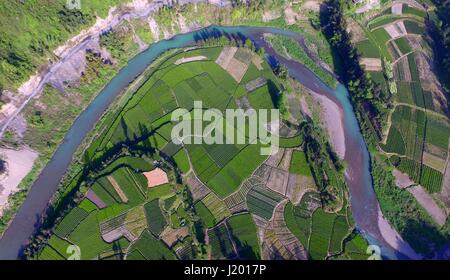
363	200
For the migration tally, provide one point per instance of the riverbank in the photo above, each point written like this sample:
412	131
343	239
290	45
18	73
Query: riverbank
330	113
391	236
333	119
18	163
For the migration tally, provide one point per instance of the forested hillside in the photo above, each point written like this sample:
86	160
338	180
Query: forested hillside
31	29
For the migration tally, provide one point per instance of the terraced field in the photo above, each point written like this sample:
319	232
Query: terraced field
416	133
412	134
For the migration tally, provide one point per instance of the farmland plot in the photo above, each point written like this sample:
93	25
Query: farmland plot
394	143
243	230
59	245
321	231
71	221
205	215
130	190
262	201
411	125
151	248
403	45
48	253
228	179
393	50
299	164
404	93
155	218
279	242
401	69
197	188
414	27
221	244
87	237
368	49
103	188
216	206
298	218
438	135
236	201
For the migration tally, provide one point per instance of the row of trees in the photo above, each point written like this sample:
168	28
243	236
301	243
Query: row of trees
367	97
327	169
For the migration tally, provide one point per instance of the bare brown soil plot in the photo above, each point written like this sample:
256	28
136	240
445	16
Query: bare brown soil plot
190	59
117	188
275	159
286	161
230	64
197	188
278	180
397	8
396	29
225	56
297	186
433	161
261	226
170	236
291	16
356	31
156	177
401	70
428	78
237	69
371	64
257	61
263	172
312	5
402	180
92	196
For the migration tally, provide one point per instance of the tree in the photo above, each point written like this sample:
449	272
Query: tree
249	44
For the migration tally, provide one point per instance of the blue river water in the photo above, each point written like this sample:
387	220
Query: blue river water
363	200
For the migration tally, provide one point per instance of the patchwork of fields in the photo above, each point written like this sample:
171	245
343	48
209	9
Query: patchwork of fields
322	233
222	201
124	216
418	130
